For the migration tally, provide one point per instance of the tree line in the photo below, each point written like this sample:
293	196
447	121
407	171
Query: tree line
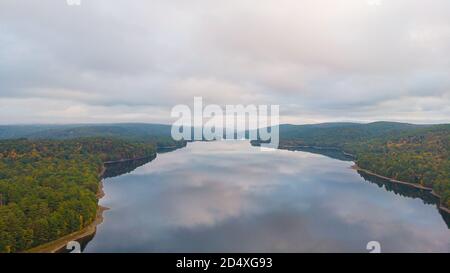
48	188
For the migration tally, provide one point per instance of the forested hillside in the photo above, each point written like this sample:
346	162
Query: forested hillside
48	187
157	133
421	157
413	153
21	131
338	134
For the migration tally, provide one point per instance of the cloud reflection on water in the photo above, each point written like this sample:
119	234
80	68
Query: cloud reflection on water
229	196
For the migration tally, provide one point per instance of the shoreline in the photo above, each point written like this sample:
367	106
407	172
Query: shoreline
357	168
60	243
417	186
315	147
124	160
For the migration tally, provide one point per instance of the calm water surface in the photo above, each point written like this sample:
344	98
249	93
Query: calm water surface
231	197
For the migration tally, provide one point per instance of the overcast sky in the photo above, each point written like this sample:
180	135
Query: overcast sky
132	61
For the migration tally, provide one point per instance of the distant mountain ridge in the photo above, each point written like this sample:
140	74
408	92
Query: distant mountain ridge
118	130
335	133
332	134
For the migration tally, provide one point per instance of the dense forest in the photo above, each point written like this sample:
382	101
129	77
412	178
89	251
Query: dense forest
48	187
128	131
413	153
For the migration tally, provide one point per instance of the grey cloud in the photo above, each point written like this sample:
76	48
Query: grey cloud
320	60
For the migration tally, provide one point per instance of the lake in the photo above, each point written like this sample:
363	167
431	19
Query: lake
228	196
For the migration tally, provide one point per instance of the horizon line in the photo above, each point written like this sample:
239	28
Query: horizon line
167	124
